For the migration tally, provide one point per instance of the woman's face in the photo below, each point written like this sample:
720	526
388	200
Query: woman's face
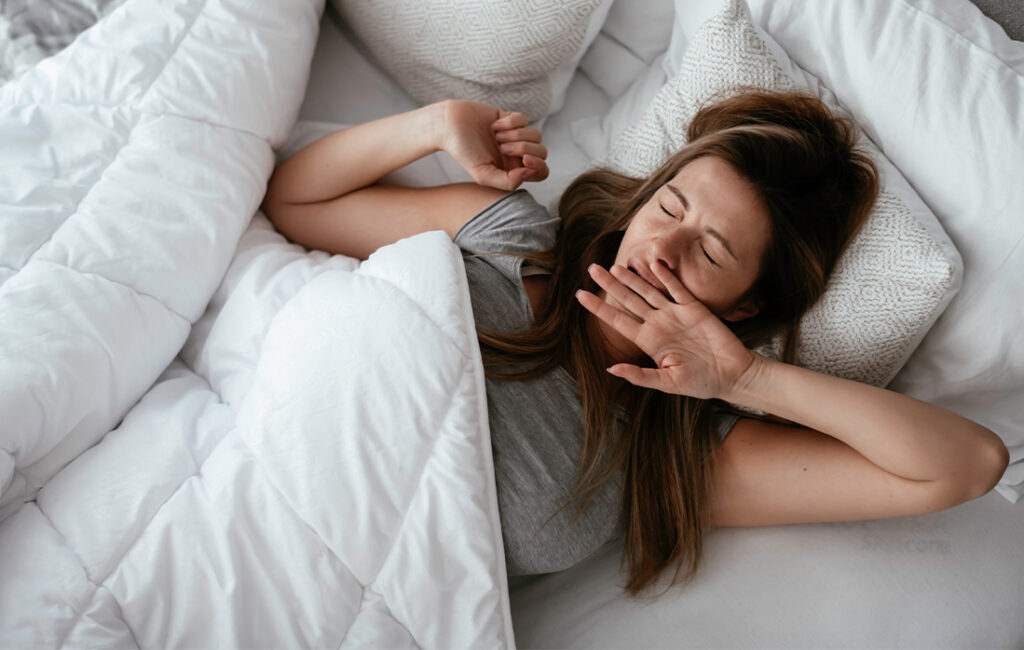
707	225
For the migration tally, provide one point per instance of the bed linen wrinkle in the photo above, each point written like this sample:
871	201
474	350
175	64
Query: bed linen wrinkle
120	283
81	611
115	604
10	636
80	199
30	452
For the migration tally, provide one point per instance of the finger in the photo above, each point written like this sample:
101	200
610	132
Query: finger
526	134
631	301
644	377
680	294
639	285
510	120
538	168
522	148
619	320
517	176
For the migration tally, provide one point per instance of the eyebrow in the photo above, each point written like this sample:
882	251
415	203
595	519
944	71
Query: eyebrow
711	231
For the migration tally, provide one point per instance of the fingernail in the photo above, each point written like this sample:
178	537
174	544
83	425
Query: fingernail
505	147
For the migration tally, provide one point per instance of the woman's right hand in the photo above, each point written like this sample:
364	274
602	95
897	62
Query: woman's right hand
497	148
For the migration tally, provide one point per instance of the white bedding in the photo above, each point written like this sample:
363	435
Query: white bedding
313	468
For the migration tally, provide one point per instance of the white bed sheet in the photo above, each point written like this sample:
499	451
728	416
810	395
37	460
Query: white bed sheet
948	579
952	579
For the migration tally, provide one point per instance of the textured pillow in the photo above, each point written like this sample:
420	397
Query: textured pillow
513	54
897	275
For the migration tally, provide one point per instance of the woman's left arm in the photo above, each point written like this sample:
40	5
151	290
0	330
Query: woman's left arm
919	444
900	434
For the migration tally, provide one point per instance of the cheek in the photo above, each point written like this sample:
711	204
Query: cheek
709	286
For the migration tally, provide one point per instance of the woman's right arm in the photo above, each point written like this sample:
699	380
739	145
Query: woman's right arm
328	195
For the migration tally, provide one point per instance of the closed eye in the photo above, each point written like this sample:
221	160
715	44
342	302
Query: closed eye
665	210
710	259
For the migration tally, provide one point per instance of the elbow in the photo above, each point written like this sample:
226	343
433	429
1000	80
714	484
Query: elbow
994	459
271	210
276	211
272	202
988	465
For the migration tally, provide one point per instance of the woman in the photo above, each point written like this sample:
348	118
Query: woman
616	336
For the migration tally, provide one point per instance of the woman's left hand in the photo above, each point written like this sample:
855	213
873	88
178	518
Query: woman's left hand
696	354
497	148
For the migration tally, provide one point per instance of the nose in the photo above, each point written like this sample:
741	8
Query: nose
667	246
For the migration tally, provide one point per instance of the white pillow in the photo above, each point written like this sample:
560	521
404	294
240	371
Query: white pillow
595	134
898	274
635	82
940	88
509	53
634	34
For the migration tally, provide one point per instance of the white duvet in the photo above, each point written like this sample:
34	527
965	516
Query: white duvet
313	468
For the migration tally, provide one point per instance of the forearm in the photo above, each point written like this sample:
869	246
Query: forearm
356	157
902	435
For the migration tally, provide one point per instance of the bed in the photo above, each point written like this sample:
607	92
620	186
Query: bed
213	437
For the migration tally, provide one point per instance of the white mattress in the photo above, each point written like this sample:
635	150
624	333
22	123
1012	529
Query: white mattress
948	579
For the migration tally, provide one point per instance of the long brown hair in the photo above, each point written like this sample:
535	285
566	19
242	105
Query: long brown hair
817	188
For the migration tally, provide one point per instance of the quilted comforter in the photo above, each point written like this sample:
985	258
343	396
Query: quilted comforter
211	437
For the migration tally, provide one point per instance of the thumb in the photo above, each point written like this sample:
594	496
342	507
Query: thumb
643	377
491	176
518	175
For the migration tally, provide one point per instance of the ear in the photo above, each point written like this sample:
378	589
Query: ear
745	308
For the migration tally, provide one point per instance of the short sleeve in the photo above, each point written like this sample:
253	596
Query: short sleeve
515	223
724	422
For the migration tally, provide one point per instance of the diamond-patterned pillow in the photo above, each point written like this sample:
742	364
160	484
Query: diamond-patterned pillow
897	275
518	55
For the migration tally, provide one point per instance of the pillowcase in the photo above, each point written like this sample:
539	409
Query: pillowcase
950	115
897	275
515	55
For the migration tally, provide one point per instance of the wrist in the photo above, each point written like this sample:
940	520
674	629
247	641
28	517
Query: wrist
749	385
436	118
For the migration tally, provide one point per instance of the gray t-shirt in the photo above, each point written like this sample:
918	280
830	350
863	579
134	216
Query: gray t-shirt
537	424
